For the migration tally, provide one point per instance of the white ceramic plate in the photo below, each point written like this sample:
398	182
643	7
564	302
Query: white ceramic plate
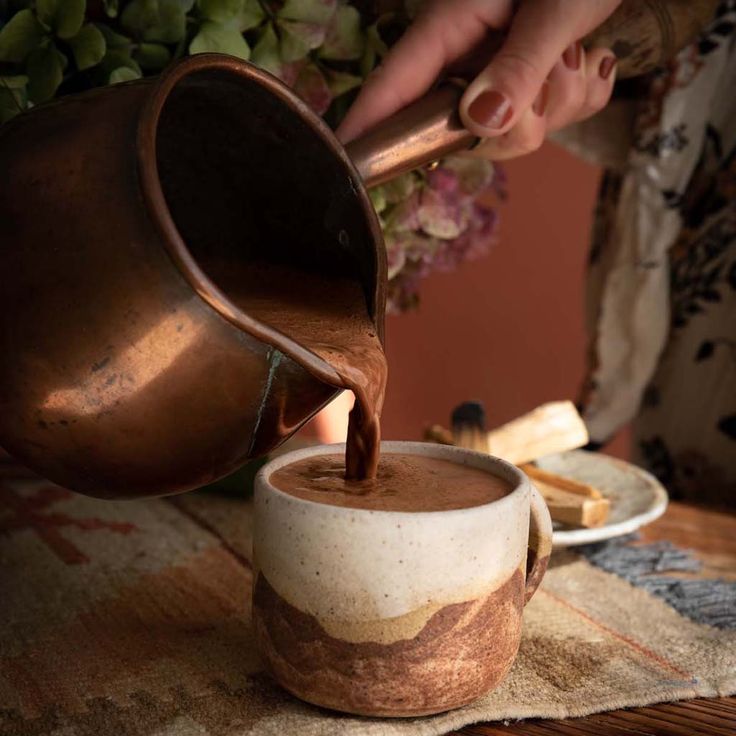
637	498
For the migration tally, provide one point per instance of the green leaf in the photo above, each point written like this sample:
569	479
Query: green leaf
378	199
153	56
123	74
10	105
45	69
46	12
157	20
19	36
266	52
13	98
375	47
88	47
221	11
319	12
111	8
139	16
116	58
114	40
17	82
344	40
64	17
244	14
341	82
251	15
219	38
298	39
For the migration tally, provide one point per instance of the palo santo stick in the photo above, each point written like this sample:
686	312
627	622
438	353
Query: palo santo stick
569	501
471	439
572	508
558	481
553	427
469	426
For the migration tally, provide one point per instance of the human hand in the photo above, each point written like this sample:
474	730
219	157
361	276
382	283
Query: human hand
540	79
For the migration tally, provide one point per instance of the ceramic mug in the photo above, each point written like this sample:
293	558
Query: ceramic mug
389	613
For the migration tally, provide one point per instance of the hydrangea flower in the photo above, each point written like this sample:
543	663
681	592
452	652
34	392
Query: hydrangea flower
433	220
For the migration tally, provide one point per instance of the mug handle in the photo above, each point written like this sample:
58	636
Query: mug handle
540	542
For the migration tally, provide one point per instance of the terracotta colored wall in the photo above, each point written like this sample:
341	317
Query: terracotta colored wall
507	329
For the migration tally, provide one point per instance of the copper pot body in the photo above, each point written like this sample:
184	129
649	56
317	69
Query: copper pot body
126	371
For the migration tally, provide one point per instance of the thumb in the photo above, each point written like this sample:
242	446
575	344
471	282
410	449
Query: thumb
442	33
539	34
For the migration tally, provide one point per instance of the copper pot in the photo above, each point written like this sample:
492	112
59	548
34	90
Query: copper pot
126	370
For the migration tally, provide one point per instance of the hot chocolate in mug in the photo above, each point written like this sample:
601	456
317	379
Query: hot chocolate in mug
395	613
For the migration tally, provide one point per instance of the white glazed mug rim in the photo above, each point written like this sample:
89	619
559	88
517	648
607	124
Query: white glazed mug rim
494	466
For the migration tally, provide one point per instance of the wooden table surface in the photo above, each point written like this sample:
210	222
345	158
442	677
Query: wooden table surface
712	535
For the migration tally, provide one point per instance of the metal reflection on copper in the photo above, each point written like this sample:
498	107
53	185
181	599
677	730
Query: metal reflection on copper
147	359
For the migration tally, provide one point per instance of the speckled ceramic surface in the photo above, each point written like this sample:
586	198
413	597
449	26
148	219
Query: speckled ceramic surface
637	497
389	612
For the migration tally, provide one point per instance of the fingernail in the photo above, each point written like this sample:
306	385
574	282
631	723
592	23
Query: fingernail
540	104
490	109
572	55
608	64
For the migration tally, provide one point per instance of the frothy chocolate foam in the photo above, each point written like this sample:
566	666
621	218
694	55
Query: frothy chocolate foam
403	483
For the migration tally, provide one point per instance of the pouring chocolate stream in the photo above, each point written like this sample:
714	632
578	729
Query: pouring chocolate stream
328	316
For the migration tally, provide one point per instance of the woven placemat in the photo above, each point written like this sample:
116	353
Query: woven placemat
133	618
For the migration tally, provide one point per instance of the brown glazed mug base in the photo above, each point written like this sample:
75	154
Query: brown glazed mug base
394	613
462	652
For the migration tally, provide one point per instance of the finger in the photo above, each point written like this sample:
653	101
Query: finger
540	32
578	94
444	32
525	137
600	74
567	87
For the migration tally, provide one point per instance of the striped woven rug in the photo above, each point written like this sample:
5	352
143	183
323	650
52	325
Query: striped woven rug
133	618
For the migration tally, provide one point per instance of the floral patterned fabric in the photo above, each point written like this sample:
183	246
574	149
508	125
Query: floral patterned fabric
662	289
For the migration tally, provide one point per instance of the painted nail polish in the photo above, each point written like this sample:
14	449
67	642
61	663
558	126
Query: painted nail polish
608	64
540	104
490	109
572	55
